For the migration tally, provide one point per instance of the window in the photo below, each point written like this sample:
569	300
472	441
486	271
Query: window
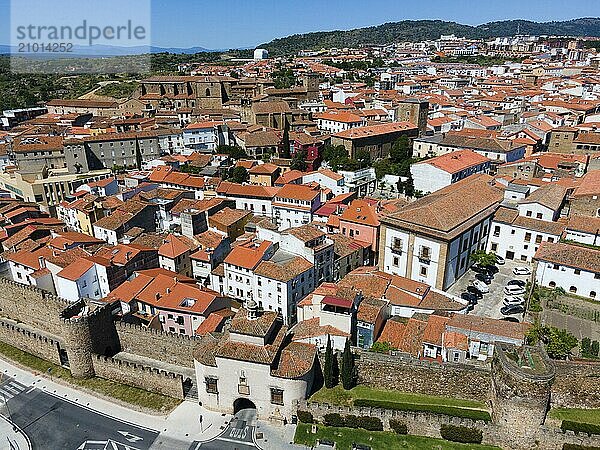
496	231
494	246
396	261
577	272
527	237
425	253
597	276
573	289
277	396
555	266
538	216
552	284
528	213
423	271
211	385
550	239
593	294
397	245
538	239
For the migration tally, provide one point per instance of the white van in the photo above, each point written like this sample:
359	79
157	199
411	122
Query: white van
514	290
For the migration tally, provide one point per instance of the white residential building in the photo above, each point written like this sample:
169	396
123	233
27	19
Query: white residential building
295	204
435	173
576	269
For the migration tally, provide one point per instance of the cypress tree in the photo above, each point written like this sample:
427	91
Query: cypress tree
348	371
328	369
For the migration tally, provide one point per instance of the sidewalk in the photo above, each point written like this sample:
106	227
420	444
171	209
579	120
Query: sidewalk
11	437
181	425
279	437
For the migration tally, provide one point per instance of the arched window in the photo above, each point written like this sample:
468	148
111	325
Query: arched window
207	92
552	284
593	294
573	289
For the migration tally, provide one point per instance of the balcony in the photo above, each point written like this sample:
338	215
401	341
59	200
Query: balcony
397	250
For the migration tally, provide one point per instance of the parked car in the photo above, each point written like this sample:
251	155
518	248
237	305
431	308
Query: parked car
519	283
514	290
492	270
500	260
522	271
481	286
471	298
356	446
483	277
479	269
476	292
514	300
510	319
512	309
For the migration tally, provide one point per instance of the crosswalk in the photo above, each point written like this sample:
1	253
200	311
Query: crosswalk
9	390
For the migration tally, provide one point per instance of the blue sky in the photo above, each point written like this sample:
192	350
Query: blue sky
246	23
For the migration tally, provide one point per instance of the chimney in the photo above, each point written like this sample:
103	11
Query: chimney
42	262
157	295
127	256
168	290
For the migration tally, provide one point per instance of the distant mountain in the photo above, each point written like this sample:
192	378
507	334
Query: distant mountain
110	50
419	30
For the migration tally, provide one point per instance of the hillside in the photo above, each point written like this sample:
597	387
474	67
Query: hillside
417	30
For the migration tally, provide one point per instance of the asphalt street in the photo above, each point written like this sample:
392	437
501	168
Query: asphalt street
238	435
54	423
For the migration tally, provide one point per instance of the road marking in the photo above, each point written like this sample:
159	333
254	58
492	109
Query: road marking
130	437
30	389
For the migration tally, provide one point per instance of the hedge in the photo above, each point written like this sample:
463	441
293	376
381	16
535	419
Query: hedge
305	417
370	423
333	420
351	421
465	435
578	447
398	426
580	427
473	414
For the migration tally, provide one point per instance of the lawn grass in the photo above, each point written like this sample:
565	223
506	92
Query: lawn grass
128	394
377	440
366	396
576	415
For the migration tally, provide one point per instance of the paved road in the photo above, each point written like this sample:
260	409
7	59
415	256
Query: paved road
238	435
53	423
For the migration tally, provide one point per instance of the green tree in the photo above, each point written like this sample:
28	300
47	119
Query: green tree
401	150
239	175
330	152
483	259
328	366
234	151
299	161
559	343
348	370
363	157
285	142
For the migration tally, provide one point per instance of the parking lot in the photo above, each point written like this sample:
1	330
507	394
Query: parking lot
490	304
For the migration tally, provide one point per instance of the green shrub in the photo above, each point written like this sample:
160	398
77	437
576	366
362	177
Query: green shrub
351	421
595	349
333	420
398	426
305	417
473	414
580	427
586	344
370	423
578	447
465	435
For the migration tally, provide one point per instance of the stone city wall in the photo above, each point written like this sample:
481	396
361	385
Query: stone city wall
577	385
32	306
155	344
408	374
429	424
29	340
148	378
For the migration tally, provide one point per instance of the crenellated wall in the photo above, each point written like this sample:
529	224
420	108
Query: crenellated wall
31	341
155	344
145	377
